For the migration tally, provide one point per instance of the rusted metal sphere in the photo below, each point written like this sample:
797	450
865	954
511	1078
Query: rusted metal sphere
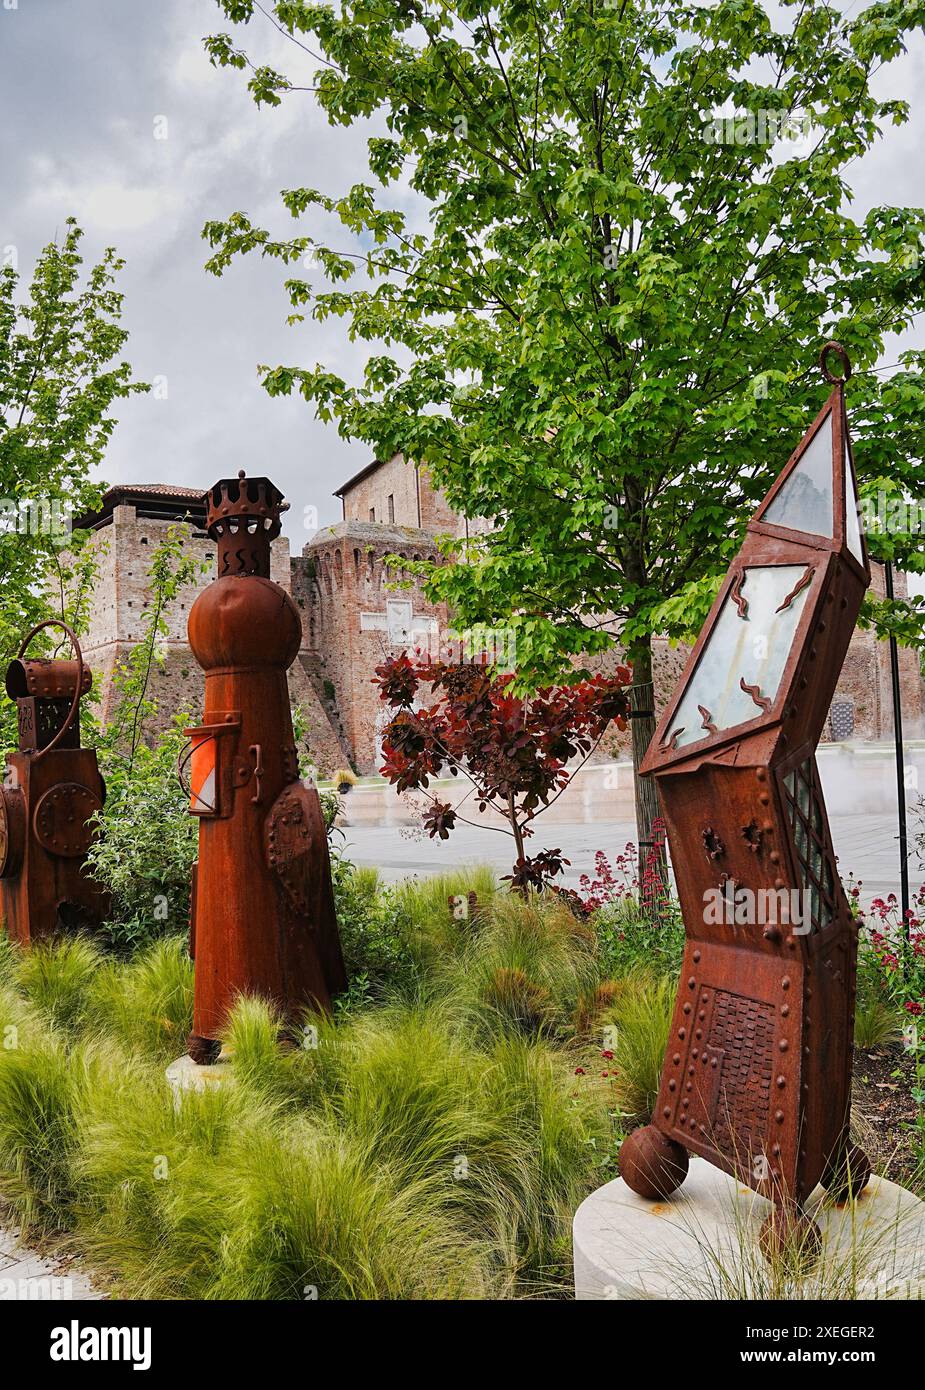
244	623
847	1174
651	1164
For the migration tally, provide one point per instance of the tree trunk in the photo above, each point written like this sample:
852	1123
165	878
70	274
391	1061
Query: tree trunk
518	837
642	725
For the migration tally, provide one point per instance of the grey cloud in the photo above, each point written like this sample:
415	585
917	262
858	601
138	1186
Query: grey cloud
81	84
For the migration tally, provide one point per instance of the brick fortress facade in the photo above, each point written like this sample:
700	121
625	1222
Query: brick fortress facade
353	614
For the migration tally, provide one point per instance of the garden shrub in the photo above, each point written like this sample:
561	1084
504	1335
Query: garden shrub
145	861
376	950
629	937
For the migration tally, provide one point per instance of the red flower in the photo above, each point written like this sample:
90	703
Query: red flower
912	1006
579	1071
607	1055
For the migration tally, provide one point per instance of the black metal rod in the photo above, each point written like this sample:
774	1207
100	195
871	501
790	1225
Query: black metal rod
900	768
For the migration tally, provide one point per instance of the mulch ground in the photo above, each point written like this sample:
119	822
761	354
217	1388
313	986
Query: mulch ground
883	1109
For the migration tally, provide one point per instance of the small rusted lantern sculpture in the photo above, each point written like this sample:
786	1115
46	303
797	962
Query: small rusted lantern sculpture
52	790
757	1074
262	910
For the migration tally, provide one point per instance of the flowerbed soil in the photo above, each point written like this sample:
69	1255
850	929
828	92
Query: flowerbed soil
883	1079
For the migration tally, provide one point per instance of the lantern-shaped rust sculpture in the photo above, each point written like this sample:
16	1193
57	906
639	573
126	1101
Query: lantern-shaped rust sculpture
262	911
757	1074
52	790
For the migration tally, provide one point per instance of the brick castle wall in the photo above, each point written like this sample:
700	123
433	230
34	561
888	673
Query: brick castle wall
122	597
353	614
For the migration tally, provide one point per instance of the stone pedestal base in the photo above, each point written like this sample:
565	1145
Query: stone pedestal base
186	1075
702	1243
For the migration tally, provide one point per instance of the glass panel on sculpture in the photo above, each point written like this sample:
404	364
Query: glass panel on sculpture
752	649
852	524
816	859
803	794
805	502
800	835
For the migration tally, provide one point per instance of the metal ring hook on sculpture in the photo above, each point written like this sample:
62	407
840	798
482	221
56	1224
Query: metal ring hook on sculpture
75	702
832	346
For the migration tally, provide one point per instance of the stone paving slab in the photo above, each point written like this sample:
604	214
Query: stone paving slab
24	1274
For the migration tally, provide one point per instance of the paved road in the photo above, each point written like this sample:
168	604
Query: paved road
866	846
859	790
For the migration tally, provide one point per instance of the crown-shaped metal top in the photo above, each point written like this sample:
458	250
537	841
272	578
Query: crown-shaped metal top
252	498
243	517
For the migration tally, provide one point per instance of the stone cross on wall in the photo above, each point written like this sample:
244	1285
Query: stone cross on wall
404	627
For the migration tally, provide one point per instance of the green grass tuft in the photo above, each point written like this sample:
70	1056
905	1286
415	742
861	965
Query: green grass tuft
642	1019
57	975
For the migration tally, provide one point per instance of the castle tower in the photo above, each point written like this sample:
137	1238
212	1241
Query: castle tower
353	616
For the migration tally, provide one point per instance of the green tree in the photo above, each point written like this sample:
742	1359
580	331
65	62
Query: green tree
595	309
60	373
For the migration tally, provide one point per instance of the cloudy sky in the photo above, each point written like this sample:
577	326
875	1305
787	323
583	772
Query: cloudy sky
85	88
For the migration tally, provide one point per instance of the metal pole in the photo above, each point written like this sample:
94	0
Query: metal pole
900	770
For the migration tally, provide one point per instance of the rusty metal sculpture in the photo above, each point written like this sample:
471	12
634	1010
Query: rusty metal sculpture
262	917
52	789
757	1075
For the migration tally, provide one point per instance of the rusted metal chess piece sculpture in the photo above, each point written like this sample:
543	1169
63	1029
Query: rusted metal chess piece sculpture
757	1075
262	912
52	789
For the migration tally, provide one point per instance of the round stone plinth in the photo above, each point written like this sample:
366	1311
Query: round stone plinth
702	1242
186	1075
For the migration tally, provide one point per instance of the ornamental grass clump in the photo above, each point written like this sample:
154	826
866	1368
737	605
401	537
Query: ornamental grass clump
42	1082
431	1142
151	1182
527	967
57	976
312	1214
146	1003
641	1022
